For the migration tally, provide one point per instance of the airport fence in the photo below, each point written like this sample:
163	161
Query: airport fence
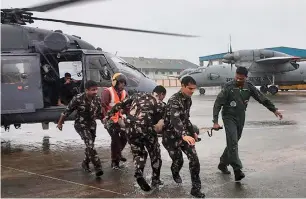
168	82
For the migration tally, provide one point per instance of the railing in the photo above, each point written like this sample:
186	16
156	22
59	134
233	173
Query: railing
168	82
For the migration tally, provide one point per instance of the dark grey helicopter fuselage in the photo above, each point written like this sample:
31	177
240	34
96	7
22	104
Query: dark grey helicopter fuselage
22	100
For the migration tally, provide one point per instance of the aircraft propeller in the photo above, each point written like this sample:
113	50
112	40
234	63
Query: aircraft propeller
229	57
23	15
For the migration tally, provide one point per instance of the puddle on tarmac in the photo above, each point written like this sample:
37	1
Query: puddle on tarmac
7	148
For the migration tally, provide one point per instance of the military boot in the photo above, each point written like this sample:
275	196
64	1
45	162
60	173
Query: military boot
156	182
123	159
143	184
115	165
85	166
223	167
176	177
99	172
197	193
238	175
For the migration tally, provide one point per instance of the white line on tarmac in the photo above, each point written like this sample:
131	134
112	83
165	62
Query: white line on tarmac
68	181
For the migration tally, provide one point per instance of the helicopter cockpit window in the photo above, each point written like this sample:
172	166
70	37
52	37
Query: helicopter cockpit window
98	68
131	72
15	69
124	66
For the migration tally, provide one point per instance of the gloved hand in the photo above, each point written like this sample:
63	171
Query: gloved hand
159	126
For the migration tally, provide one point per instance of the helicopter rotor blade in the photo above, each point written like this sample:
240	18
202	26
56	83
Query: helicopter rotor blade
111	27
54	5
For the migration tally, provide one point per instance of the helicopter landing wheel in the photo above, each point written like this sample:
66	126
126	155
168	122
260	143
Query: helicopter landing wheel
202	91
45	125
264	89
273	90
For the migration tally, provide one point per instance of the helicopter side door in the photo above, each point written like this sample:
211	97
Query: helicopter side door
98	70
20	83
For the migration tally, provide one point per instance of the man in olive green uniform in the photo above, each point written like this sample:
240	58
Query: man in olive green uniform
234	99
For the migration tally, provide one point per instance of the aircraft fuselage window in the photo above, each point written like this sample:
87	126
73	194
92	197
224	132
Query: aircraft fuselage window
15	69
213	76
71	84
72	67
98	68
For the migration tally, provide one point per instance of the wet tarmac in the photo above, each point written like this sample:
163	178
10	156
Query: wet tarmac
46	163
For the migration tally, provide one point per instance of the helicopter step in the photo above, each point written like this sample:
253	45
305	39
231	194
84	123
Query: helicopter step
44	116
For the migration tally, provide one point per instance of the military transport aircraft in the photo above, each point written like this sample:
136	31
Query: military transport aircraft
263	64
185	72
218	75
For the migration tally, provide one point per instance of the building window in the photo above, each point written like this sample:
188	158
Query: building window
156	72
170	73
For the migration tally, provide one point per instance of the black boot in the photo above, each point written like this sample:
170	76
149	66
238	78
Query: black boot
99	172
123	159
115	165
223	167
143	184
85	166
239	175
156	183
177	178
197	193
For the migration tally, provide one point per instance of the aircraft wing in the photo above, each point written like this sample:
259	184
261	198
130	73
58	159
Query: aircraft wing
277	60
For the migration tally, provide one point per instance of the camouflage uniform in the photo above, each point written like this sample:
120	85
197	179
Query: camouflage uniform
85	124
234	102
145	112
177	124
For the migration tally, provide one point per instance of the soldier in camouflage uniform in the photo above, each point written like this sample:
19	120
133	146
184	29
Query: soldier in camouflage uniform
176	135
146	109
234	99
88	107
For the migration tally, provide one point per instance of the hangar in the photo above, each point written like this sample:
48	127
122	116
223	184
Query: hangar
217	58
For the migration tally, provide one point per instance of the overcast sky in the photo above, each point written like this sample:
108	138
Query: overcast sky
251	23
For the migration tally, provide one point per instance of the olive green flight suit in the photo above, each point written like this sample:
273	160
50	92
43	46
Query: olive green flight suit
234	101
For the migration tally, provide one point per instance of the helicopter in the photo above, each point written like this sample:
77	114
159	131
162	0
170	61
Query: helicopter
31	59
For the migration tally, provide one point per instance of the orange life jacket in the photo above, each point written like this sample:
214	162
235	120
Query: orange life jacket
114	100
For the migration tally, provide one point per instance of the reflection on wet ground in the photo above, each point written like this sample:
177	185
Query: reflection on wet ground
271	123
46	163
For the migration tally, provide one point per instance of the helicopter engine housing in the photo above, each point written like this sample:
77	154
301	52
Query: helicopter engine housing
57	42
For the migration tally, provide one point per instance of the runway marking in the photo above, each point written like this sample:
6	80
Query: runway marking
68	181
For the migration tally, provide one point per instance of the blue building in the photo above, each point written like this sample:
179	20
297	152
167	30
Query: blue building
290	51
